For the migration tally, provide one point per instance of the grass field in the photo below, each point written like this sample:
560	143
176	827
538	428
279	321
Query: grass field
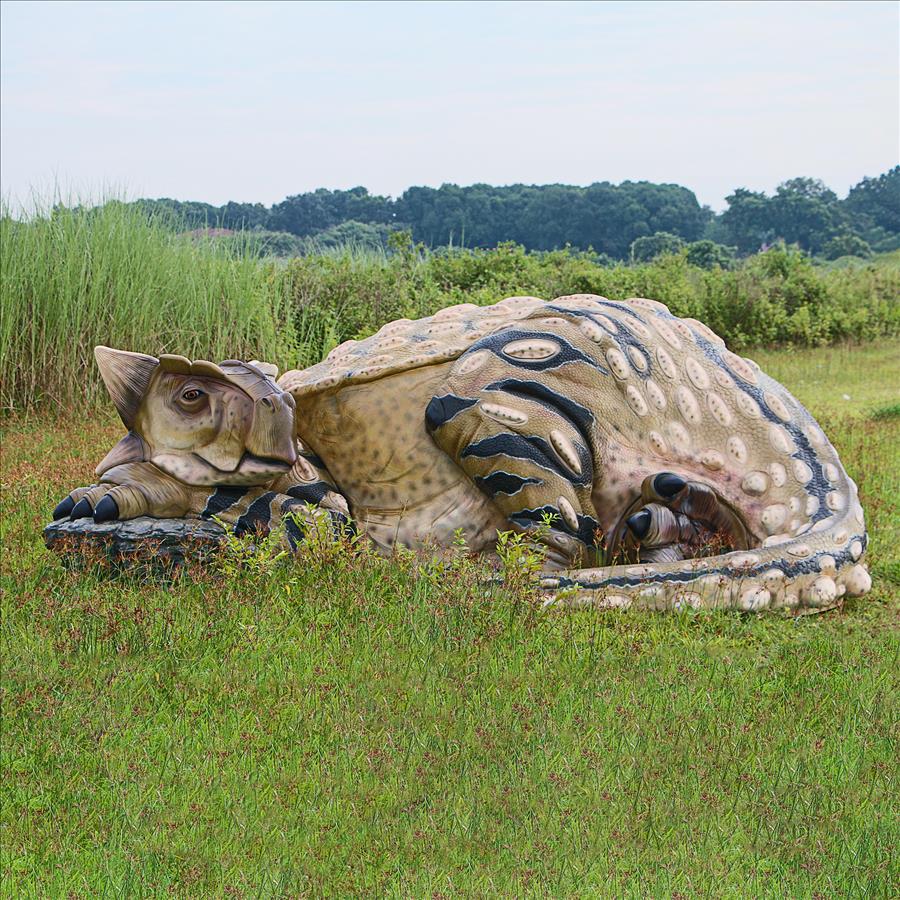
346	725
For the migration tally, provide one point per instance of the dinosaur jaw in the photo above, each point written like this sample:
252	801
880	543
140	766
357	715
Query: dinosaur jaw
193	469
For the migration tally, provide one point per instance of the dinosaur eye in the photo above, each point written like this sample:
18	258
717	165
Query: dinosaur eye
192	395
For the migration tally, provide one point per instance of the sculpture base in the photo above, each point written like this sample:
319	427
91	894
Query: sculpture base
141	544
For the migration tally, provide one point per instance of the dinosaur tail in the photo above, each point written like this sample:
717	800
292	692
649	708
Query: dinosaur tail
815	568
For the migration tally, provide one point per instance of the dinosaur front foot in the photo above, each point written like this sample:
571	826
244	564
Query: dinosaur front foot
126	492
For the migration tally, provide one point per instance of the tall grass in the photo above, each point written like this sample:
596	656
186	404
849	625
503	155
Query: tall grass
72	279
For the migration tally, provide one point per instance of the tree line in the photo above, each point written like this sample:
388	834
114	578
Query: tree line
632	220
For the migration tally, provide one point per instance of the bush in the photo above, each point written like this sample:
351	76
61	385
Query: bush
847	244
646	249
710	255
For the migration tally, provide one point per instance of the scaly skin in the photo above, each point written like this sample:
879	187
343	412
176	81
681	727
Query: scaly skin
587	400
633	432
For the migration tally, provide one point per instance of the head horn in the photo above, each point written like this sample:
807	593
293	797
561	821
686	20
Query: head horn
127	377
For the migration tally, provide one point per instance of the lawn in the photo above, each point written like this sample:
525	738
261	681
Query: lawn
344	725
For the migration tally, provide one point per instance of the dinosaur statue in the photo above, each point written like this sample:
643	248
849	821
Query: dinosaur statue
634	433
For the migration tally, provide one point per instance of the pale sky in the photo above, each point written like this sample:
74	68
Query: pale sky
254	101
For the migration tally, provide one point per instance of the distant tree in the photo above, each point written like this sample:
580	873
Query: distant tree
804	211
709	255
847	244
351	235
807	213
645	249
748	220
876	202
307	214
603	216
277	243
183	215
243	216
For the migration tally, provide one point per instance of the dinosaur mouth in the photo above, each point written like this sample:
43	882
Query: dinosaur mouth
250	461
250	464
193	469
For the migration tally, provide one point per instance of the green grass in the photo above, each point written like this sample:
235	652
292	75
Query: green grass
850	381
346	725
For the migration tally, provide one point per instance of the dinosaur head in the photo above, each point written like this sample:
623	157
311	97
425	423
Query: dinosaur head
202	423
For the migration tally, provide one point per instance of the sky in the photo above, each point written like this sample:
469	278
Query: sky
255	101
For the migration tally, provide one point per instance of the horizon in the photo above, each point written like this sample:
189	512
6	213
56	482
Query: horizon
141	99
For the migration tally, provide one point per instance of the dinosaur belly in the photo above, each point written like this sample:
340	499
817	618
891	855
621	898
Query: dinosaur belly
401	488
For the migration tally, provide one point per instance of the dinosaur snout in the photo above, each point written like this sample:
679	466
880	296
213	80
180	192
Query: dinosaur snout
272	432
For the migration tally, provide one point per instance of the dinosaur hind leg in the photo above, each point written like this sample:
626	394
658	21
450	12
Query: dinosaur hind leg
676	519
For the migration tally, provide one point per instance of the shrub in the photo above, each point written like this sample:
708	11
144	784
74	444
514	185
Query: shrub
847	244
710	255
645	249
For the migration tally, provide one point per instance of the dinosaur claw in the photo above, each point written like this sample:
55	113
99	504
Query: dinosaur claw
63	509
668	484
106	510
82	509
639	523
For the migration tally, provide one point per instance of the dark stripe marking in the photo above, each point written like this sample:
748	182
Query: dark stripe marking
579	417
501	482
222	498
441	410
311	493
258	516
587	531
807	566
567	355
314	460
292	526
623	337
532	448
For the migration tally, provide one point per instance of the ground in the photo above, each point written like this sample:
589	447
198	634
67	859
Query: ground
347	725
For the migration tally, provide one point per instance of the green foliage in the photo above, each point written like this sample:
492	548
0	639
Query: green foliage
112	276
522	556
846	244
805	212
250	557
876	201
708	254
889	411
309	214
603	217
802	212
747	220
646	249
351	235
779	297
